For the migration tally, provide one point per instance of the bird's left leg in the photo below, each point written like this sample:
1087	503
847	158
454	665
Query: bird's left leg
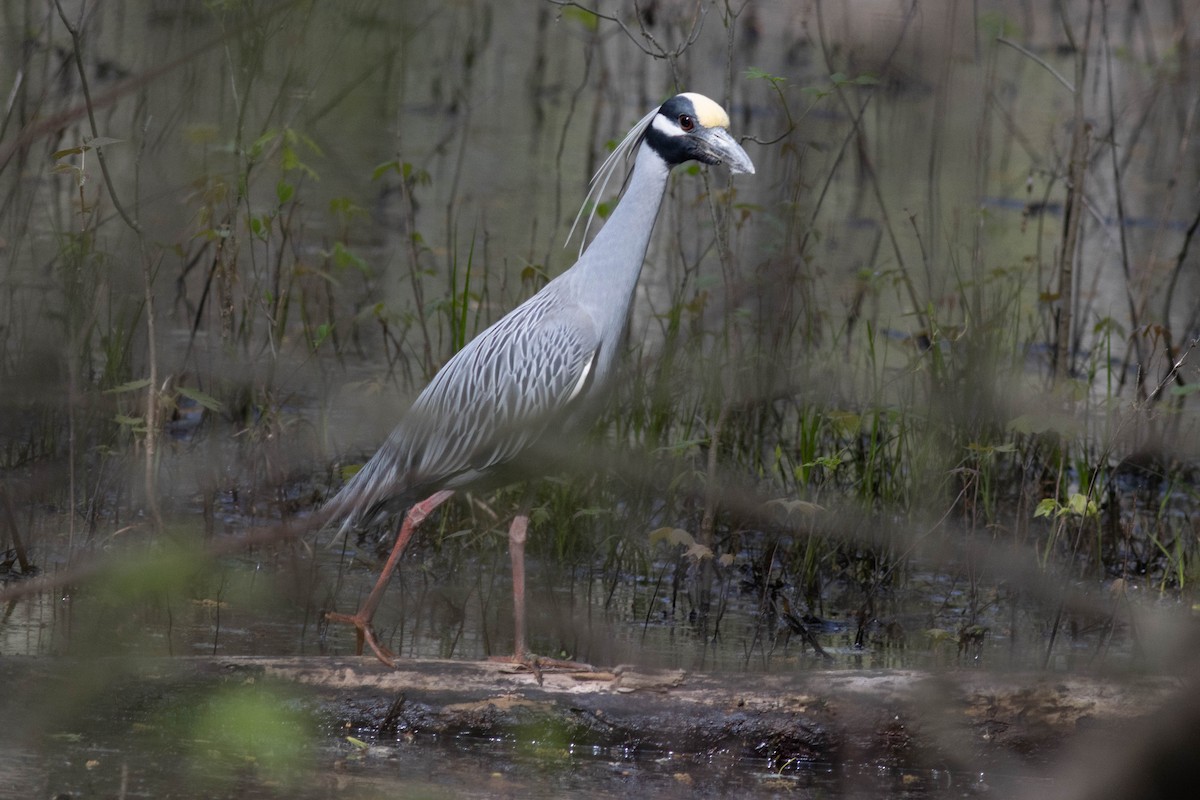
361	619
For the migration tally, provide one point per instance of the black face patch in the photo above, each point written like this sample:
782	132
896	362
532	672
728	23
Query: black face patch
676	107
678	145
673	149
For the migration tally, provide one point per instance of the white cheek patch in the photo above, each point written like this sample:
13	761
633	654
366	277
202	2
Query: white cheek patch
708	113
667	126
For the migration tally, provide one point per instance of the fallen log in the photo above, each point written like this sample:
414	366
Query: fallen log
933	725
959	720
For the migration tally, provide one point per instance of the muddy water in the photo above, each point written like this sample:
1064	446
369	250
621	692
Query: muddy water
443	606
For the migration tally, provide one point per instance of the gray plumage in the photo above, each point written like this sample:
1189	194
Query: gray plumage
539	367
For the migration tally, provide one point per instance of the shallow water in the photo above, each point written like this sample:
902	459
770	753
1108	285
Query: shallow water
85	767
447	605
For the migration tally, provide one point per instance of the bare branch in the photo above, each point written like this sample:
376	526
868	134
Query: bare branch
659	51
1039	60
91	114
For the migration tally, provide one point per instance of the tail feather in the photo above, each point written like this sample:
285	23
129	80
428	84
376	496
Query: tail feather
368	498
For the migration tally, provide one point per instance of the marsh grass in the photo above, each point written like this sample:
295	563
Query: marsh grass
836	382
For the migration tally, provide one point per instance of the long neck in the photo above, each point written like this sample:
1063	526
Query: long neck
607	273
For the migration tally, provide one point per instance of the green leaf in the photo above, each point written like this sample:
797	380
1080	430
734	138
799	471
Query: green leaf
284	191
991	449
847	423
344	258
1048	507
584	17
345	208
415	175
288	158
828	462
131	386
260	144
100	141
1080	505
386	167
304	139
754	73
200	398
1110	326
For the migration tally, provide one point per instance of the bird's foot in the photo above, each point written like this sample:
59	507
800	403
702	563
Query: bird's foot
364	634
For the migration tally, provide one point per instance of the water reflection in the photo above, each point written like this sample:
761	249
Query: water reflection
447	606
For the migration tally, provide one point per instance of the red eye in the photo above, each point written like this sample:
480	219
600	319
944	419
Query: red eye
686	122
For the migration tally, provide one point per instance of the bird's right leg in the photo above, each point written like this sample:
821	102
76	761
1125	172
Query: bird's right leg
517	534
361	619
516	549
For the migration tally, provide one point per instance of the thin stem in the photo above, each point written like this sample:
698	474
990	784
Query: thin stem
152	391
1073	210
87	98
1039	60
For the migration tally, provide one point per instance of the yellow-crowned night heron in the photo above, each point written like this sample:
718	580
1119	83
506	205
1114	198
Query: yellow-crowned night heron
534	370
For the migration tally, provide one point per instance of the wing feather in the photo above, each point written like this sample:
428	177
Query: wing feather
483	409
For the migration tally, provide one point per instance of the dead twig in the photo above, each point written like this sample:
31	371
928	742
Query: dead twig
1073	208
1038	60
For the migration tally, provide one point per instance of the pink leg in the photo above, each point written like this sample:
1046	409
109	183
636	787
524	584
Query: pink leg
516	549
521	656
361	619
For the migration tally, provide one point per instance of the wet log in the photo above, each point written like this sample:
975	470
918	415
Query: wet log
1087	736
960	720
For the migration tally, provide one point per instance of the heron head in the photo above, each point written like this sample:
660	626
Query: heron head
691	127
688	127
